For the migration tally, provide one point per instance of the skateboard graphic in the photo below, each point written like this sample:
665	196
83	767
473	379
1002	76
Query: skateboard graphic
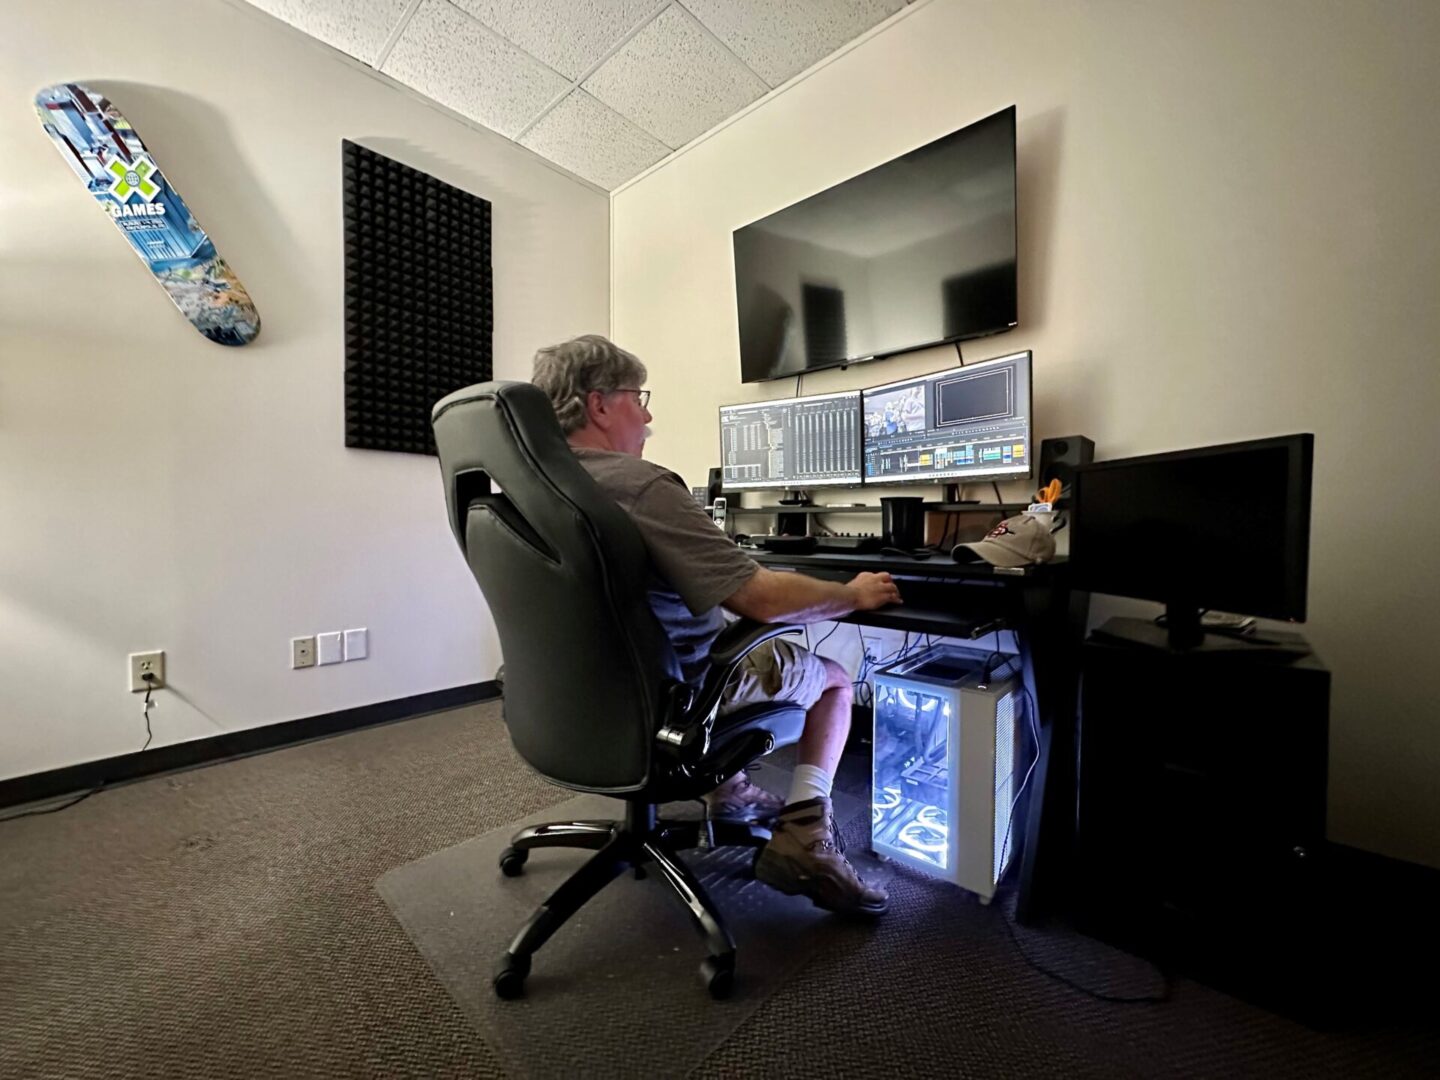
109	157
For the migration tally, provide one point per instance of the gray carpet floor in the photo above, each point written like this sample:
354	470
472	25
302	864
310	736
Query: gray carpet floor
625	965
223	922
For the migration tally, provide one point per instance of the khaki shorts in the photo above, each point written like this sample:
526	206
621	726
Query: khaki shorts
778	670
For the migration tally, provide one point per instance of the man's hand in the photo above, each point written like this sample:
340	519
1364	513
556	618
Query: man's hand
874	591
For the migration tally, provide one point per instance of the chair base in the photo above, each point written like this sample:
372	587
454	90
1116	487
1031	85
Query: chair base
641	840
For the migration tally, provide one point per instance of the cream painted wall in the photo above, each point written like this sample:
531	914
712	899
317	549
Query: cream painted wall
163	492
1228	230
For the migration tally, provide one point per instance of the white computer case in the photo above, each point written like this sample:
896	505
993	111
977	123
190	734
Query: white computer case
947	724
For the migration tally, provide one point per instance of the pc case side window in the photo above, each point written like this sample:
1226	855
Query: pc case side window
944	764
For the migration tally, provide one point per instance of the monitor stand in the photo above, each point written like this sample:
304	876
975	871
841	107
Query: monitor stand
1182	625
796	498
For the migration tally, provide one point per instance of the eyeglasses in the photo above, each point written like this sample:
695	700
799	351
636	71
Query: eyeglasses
642	396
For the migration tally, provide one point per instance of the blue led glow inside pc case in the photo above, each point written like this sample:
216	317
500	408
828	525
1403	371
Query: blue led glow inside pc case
946	728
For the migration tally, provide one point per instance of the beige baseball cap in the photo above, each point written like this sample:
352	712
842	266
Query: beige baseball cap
1018	541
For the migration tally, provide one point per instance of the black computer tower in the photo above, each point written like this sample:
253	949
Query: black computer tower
1200	813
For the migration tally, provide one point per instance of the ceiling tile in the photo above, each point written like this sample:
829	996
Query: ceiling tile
593	141
358	27
569	35
674	80
448	56
781	39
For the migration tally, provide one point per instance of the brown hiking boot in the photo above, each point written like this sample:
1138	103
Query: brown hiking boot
805	857
740	799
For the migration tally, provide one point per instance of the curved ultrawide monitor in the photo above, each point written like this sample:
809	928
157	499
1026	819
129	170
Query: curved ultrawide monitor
915	252
967	423
802	442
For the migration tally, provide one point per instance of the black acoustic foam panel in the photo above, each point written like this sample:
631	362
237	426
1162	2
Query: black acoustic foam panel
418	303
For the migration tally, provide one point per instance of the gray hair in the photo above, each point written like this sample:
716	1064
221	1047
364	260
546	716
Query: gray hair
568	372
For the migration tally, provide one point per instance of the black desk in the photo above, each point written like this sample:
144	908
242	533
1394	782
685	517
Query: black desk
942	597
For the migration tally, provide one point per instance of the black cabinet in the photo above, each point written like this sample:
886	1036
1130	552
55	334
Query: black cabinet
1200	814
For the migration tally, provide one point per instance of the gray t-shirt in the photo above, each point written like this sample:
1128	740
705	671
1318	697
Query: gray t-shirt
694	565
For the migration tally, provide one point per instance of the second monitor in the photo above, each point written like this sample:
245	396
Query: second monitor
970	422
792	442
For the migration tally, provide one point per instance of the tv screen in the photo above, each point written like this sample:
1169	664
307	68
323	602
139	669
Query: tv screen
1223	527
915	252
970	422
791	443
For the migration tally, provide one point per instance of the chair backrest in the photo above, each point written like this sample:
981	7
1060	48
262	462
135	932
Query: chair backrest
588	668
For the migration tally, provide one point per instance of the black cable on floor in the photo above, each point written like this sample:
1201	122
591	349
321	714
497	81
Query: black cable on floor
54	809
1114	999
81	798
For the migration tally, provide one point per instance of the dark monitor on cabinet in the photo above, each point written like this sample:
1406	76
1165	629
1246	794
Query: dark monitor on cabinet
798	443
967	423
1218	527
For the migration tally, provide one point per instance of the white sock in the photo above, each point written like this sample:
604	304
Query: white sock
809	782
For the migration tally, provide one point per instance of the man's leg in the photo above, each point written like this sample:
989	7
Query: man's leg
827	726
804	856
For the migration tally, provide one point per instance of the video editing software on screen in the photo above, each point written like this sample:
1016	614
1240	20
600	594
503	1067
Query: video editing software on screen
967	422
792	443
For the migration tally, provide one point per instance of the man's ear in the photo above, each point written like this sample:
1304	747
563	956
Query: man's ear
596	410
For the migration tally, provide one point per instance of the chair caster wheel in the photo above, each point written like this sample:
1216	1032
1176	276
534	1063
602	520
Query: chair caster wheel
509	981
512	862
718	976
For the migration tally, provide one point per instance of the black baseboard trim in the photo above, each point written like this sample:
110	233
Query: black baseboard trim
108	772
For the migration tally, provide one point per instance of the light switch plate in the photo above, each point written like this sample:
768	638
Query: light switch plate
357	644
327	648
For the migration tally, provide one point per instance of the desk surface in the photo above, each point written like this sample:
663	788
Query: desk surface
929	588
937	566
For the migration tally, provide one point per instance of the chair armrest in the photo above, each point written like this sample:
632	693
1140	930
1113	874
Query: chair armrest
686	734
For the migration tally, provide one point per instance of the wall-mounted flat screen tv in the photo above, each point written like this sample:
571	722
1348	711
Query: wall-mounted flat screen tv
915	252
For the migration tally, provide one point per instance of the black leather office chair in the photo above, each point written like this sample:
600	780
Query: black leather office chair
593	698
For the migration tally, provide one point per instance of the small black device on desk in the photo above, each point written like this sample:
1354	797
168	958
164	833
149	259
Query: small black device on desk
788	545
832	545
856	545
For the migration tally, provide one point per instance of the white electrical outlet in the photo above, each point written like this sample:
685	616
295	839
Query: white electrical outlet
357	644
328	648
302	652
147	663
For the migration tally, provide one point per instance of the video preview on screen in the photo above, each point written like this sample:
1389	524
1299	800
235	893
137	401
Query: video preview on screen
970	422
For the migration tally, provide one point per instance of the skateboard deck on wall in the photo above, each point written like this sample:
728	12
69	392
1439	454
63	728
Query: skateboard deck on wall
119	172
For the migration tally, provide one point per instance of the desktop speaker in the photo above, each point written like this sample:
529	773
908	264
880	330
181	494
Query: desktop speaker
1058	458
715	488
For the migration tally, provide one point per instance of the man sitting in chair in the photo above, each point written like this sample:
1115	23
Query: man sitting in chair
596	389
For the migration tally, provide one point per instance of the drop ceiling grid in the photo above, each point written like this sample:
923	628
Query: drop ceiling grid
674	80
455	59
603	88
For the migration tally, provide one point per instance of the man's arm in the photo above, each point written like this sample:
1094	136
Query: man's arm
774	596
